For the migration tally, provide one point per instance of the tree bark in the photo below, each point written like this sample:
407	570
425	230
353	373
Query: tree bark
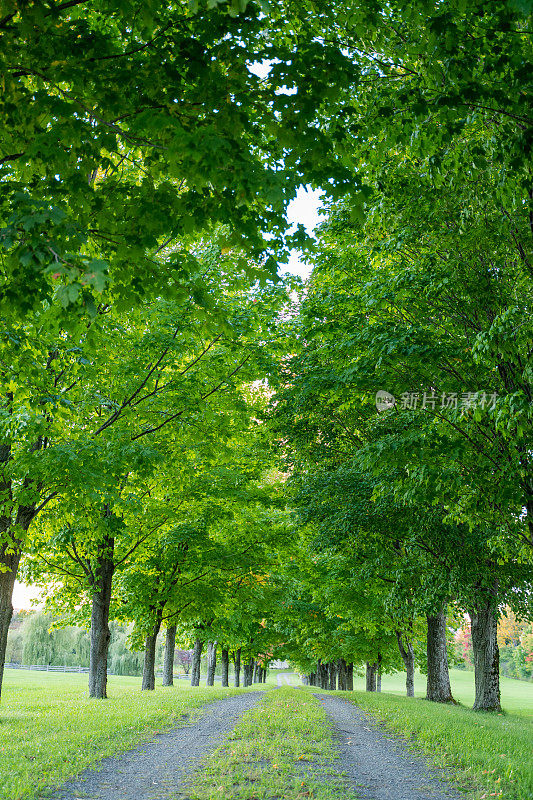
341	672
439	689
371	670
10	553
408	656
224	660
248	673
332	675
486	658
256	672
7	582
168	659
349	677
195	663
211	663
148	681
237	667
378	674
100	633
323	675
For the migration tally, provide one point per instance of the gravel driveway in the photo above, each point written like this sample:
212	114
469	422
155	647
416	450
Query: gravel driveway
378	765
155	770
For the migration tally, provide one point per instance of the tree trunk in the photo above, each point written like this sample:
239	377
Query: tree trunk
237	667
248	673
100	633
323	673
332	675
371	670
349	677
439	689
341	671
7	582
378	674
10	553
486	659
224	659
195	663
256	672
168	660
148	681
211	663
408	656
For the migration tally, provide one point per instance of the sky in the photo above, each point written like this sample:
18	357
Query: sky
304	208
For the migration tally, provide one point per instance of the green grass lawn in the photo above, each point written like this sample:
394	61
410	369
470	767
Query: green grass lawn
280	749
50	730
517	696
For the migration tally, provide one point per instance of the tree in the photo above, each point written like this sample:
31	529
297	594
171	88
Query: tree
165	362
128	129
369	321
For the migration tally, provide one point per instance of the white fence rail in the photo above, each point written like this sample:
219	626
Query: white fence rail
47	668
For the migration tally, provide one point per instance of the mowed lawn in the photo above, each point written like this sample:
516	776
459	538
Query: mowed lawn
50	730
517	696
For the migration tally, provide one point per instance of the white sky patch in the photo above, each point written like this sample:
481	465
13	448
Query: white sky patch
23	596
304	209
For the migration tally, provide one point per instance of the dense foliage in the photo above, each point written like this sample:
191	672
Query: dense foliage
337	472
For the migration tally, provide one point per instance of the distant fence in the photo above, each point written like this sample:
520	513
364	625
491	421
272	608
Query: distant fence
48	668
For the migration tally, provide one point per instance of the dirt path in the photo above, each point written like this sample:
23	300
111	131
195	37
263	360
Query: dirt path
155	770
378	765
286	679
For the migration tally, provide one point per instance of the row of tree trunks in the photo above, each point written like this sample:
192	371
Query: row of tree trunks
332	675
